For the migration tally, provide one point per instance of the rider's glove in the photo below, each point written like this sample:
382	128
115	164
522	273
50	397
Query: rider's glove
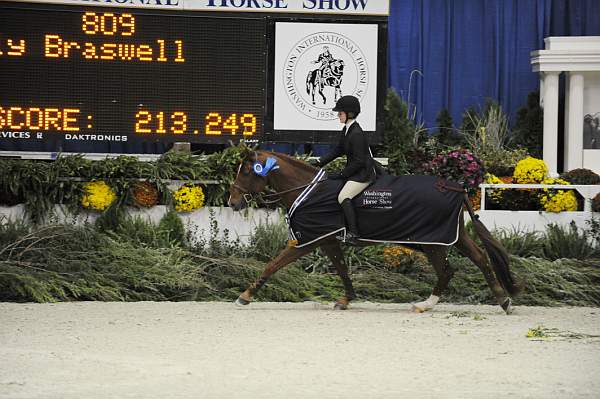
315	162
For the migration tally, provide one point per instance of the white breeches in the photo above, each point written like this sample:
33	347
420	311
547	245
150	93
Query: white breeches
351	189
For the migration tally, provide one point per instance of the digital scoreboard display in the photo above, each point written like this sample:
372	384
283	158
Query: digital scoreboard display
94	79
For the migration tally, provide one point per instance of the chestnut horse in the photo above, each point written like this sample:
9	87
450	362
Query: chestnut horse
293	175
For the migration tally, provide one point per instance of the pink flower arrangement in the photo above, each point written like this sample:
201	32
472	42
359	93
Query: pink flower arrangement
460	166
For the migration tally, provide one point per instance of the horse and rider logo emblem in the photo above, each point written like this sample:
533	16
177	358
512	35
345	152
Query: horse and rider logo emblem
319	69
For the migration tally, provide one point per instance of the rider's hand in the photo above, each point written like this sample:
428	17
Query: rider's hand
335	176
315	162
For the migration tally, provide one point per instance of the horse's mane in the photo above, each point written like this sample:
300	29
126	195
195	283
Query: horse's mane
295	161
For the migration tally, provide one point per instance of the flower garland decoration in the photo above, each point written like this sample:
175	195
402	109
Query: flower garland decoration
460	166
97	195
530	171
558	200
145	194
188	198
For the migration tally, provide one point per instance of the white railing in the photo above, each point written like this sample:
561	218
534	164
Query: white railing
588	192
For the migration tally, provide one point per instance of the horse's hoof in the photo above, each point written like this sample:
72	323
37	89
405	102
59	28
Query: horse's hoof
340	306
507	306
241	302
417	309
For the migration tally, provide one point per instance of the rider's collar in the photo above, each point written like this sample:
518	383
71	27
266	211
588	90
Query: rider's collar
349	123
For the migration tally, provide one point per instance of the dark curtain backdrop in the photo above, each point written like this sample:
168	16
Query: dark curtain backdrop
470	50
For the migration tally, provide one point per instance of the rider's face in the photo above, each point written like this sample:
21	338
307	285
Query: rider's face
343	117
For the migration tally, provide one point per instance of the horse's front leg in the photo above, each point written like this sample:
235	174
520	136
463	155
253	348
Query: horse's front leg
321	86
335	254
285	257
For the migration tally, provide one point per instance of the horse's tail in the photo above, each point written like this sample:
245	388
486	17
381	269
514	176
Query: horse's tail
496	252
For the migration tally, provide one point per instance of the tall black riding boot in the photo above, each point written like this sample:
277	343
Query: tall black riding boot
350	216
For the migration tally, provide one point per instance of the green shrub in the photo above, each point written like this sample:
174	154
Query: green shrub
64	262
521	243
488	131
528	129
219	243
171	229
594	231
501	162
568	243
447	134
399	133
268	240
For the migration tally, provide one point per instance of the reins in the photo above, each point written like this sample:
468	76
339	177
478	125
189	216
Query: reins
248	196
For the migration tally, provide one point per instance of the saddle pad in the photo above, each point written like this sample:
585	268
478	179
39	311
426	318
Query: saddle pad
394	209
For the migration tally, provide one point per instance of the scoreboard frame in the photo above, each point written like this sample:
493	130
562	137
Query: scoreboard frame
265	131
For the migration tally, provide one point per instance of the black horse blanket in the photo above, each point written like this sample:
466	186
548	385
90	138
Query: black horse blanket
394	209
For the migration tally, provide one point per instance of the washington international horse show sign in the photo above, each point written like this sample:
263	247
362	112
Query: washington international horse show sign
316	64
352	7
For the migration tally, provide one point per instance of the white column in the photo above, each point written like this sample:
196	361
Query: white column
550	102
574	133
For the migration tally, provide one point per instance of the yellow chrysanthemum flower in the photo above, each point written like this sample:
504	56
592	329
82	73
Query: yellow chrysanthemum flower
496	193
530	171
98	196
188	198
396	255
558	200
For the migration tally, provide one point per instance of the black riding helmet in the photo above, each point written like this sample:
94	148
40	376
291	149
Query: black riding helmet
348	104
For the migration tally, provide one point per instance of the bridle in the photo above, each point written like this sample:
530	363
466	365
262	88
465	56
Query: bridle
248	196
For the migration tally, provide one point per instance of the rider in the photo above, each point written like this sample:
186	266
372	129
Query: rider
325	58
359	172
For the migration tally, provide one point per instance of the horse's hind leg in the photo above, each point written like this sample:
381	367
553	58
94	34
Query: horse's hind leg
438	257
469	248
335	254
284	258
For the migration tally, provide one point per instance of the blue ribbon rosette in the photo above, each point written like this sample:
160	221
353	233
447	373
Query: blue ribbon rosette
270	164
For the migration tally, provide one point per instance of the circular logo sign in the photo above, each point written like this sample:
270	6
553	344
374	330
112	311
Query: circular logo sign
319	69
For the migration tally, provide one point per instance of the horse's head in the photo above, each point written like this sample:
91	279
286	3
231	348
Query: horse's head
250	180
337	67
282	173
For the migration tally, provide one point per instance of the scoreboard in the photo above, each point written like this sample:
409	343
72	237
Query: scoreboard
76	78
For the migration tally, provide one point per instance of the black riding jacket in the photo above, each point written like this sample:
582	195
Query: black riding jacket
360	165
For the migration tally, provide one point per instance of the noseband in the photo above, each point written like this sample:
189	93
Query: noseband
247	195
